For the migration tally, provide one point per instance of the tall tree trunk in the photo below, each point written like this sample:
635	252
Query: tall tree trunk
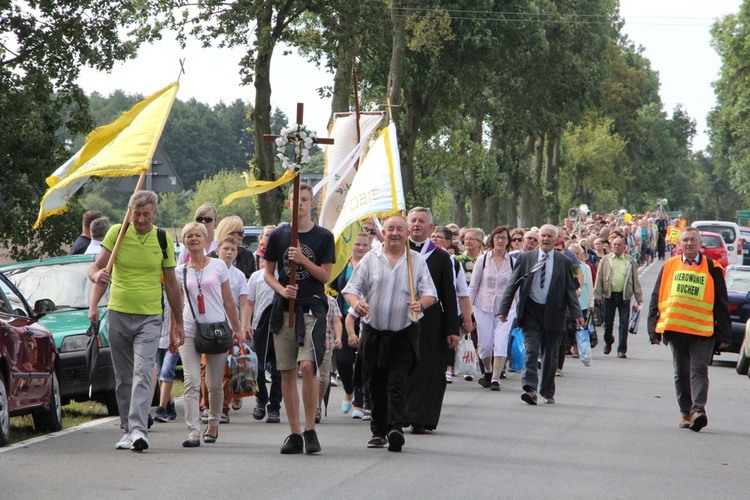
529	195
459	210
395	84
511	202
398	52
270	204
551	206
342	79
478	199
407	144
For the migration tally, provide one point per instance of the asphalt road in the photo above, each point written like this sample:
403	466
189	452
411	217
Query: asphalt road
612	434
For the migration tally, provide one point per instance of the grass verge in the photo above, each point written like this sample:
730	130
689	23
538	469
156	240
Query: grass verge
22	428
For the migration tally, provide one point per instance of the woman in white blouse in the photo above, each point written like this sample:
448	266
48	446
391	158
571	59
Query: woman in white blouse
488	281
205	282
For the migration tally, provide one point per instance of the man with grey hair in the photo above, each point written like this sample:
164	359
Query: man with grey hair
547	296
99	228
438	329
135	311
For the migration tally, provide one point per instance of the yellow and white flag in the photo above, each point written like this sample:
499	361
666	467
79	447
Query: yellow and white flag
341	158
123	148
377	190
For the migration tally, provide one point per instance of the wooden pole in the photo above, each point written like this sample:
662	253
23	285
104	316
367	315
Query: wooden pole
125	224
295	217
414	314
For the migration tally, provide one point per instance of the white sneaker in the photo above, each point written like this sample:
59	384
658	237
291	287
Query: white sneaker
448	377
124	443
140	442
334	382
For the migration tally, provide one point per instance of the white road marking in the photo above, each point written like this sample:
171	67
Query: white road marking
86	425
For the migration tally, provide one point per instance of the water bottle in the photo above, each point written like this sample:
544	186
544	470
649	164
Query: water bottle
633	325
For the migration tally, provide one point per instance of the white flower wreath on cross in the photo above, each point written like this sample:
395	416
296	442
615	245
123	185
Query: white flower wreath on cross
303	141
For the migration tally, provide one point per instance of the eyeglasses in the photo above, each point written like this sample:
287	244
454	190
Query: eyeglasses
516	240
201	219
438	237
473	239
241	233
499	237
455	233
531	239
368	230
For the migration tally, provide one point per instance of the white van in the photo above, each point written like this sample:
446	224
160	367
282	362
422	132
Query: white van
731	234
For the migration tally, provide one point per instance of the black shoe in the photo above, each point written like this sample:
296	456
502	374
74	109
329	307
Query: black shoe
317	415
377	442
160	414
171	411
503	375
396	440
191	443
494	385
418	429
150	421
312	445
485	380
293	445
273	417
607	348
259	413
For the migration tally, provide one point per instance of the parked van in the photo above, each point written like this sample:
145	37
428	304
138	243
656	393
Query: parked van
729	231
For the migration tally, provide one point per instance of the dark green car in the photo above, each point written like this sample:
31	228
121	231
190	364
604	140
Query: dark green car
64	280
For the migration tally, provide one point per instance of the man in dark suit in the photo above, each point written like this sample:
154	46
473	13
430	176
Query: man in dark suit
547	296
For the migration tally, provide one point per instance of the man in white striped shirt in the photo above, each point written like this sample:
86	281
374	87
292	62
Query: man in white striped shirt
379	293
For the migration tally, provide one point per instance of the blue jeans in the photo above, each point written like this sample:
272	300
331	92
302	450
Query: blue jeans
616	302
167	364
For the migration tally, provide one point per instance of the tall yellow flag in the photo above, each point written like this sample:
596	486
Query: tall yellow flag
123	148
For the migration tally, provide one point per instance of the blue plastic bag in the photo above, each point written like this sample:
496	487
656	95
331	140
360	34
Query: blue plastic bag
517	350
584	346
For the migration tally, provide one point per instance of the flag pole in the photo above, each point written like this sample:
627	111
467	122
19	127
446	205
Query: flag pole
125	224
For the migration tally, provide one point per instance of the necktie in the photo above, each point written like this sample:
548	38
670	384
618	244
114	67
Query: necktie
541	266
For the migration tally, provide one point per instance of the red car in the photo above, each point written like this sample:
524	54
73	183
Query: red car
28	358
712	246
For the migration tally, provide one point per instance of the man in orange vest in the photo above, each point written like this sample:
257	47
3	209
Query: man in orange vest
690	310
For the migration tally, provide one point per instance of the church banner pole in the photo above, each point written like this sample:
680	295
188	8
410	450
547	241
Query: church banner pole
411	273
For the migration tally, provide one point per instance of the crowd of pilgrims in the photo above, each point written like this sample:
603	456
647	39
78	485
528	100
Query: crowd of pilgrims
480	274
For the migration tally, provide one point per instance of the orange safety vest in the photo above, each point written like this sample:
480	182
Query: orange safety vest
686	298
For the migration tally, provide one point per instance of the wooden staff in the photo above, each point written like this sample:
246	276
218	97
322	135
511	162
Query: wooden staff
414	313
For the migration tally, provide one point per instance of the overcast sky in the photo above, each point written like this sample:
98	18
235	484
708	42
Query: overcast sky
674	34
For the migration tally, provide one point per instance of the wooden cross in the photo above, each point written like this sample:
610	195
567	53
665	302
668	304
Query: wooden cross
295	198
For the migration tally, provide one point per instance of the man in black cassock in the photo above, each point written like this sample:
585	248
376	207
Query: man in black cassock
438	329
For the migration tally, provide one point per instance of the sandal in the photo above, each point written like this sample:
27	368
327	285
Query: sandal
210	438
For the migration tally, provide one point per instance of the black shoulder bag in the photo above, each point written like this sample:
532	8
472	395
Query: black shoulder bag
210	338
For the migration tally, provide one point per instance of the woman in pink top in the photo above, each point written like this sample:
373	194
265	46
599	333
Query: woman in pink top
488	281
